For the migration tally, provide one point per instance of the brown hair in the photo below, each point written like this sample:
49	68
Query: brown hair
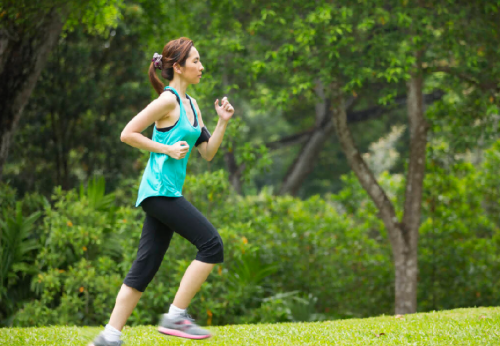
175	51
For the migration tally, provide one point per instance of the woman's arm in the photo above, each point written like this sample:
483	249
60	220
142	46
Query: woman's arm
208	149
159	108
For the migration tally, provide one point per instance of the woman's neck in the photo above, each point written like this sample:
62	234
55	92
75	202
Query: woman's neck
179	85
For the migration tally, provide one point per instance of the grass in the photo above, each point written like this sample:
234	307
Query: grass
477	326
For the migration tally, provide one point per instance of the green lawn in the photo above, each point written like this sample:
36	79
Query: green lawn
480	326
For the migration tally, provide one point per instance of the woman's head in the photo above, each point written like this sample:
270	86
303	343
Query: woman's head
178	57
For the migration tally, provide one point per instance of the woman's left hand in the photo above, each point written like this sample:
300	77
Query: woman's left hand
225	111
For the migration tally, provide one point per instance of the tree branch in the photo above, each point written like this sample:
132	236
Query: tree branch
361	169
352	118
304	162
489	85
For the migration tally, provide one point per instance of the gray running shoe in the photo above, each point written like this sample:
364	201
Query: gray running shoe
100	340
182	326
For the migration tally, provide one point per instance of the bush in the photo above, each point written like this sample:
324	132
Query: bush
460	236
18	246
285	259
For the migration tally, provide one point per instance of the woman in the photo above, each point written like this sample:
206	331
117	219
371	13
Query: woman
178	128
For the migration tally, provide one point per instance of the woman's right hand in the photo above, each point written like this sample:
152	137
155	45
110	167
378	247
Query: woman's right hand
178	150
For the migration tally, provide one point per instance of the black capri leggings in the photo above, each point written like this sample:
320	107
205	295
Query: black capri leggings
164	216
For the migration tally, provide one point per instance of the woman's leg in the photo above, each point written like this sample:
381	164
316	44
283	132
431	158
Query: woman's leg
187	221
193	278
155	239
154	242
125	303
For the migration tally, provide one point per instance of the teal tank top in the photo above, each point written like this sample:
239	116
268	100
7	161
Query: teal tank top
163	175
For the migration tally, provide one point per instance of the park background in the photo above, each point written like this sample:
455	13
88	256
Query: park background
310	234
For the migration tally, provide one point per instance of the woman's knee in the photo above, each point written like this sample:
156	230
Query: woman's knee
127	294
143	270
212	251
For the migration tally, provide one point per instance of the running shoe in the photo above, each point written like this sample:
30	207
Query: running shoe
100	340
182	326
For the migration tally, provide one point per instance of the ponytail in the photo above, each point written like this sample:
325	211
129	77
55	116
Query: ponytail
155	81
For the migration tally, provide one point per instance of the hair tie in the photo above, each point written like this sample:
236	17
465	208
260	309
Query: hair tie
157	61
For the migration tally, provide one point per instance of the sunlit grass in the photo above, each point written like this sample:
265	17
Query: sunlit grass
479	326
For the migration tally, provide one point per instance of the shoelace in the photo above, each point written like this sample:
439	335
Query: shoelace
188	317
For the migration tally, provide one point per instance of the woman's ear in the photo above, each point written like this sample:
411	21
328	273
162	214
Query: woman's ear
177	68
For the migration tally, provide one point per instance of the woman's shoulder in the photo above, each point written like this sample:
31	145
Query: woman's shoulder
167	99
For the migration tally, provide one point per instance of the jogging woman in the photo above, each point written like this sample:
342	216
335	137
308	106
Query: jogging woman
178	129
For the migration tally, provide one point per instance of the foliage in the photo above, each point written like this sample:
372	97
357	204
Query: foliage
78	250
313	256
460	234
252	155
267	58
82	244
95	15
18	245
101	91
285	259
489	181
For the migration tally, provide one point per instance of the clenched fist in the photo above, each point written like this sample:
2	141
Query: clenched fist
178	150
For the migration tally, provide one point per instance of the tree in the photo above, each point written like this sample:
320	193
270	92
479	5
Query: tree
102	92
337	52
229	52
28	32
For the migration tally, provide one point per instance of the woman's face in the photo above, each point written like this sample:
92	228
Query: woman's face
192	71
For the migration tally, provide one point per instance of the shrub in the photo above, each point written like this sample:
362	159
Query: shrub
285	259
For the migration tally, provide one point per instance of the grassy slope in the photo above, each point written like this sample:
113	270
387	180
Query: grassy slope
480	326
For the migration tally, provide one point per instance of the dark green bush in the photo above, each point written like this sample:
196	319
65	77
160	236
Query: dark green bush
285	259
18	245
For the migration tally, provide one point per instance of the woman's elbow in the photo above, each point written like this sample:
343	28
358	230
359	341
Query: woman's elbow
124	137
208	157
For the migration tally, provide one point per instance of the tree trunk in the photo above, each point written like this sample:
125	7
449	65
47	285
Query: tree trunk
406	261
235	171
402	236
304	163
362	171
23	54
406	270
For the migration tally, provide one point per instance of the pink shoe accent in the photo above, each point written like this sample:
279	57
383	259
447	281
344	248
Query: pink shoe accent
178	333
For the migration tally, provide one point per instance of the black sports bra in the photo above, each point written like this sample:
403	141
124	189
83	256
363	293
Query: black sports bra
166	129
